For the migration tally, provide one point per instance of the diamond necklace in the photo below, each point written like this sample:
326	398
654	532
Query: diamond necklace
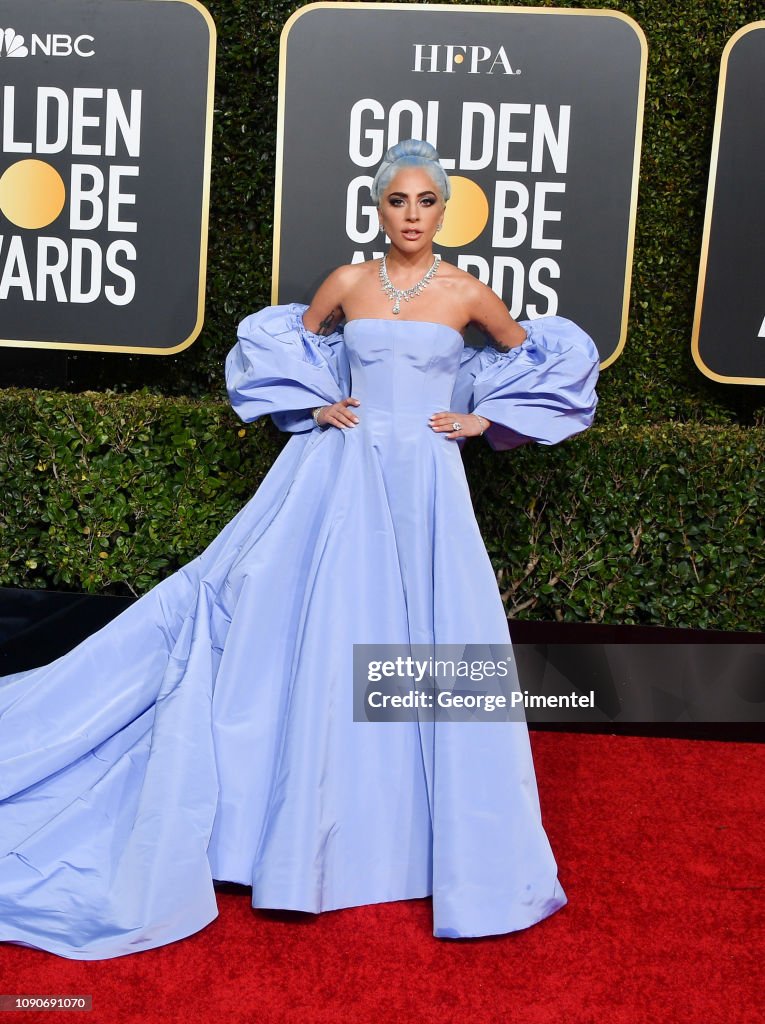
396	293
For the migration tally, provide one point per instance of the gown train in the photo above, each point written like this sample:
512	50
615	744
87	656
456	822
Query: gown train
207	732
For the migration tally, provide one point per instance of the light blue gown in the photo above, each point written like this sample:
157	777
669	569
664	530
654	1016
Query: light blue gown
207	732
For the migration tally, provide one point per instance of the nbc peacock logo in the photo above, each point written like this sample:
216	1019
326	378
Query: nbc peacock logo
12	44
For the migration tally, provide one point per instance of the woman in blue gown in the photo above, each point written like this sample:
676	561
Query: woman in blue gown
208	733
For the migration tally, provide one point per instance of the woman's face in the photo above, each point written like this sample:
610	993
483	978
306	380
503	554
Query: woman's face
411	209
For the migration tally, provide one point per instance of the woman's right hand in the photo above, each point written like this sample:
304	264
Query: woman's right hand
338	415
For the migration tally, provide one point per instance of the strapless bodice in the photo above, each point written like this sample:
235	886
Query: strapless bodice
402	367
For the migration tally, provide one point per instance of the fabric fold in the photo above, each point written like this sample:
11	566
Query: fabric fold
542	390
280	368
208	731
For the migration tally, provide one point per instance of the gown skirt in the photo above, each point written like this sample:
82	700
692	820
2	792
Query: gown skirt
207	733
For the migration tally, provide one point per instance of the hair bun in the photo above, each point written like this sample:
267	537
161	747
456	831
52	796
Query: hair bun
410	153
411	147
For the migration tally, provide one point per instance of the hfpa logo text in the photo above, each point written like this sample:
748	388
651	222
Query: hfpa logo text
449	58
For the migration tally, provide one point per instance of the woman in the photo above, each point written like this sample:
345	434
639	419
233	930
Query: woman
207	733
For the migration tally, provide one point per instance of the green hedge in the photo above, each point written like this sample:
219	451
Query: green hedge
627	525
110	493
654	378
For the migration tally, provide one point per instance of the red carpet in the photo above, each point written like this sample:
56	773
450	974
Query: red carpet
660	848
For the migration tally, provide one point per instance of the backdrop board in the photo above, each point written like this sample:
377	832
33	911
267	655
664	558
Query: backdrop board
537	116
728	340
105	134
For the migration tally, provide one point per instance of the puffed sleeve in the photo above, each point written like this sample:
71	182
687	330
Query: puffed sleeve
542	390
279	368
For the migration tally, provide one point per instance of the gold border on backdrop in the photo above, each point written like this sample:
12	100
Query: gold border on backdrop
205	223
706	370
482	9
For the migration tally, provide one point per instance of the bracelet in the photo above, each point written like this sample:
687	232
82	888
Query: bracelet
315	414
481	419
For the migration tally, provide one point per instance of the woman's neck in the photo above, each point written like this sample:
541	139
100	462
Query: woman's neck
413	264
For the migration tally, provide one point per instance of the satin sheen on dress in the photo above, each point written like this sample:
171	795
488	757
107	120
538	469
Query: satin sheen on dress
207	733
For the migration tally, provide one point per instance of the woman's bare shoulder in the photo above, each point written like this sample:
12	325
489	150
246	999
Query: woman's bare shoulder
461	279
346	278
327	306
350	274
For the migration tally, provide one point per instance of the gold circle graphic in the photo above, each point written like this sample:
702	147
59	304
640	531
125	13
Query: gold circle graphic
466	213
32	194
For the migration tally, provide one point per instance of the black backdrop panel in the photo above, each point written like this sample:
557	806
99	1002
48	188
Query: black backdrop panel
105	128
729	327
537	116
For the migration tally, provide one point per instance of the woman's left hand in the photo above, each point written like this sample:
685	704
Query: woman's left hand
470	424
